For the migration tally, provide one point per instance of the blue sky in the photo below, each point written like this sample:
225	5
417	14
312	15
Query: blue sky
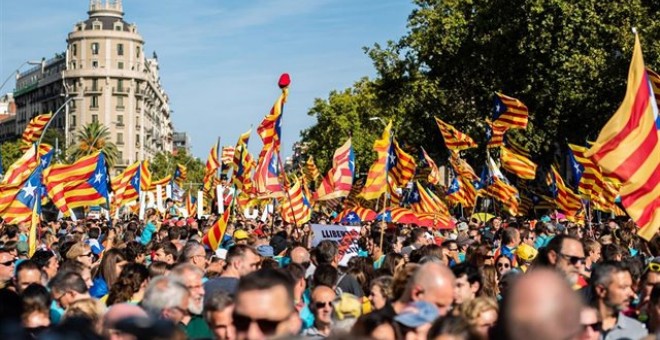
220	60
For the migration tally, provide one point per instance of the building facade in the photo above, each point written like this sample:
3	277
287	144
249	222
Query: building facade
115	84
182	142
7	118
105	71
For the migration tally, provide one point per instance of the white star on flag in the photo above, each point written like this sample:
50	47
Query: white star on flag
497	108
392	158
29	189
98	176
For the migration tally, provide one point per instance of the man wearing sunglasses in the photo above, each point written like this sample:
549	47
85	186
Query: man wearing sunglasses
7	266
322	306
264	306
566	254
611	283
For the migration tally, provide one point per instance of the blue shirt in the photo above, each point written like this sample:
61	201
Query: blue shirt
147	233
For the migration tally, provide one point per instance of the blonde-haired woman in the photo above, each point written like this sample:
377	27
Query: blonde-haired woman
481	314
91	309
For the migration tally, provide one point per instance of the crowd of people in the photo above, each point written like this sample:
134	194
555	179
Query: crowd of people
496	279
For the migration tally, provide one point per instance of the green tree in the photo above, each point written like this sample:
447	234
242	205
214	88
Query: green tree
566	60
164	163
10	152
91	138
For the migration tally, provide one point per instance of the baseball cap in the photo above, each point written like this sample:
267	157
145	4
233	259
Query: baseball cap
240	234
265	250
464	240
417	313
462	226
221	253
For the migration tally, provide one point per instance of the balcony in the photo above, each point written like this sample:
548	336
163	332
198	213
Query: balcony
93	90
121	91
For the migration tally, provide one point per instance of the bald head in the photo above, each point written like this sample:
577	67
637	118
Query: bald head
541	303
299	255
120	312
433	283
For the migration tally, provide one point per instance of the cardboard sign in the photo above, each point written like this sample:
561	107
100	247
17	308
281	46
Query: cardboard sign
346	236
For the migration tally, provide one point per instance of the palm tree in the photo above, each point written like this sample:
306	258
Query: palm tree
91	138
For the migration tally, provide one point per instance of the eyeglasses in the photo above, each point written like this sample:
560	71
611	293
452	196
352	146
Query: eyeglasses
321	304
503	265
87	254
596	326
305	264
8	263
453	249
243	322
572	259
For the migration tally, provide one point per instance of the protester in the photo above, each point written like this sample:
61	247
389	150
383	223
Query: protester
218	315
611	285
27	273
481	314
322	307
241	260
167	298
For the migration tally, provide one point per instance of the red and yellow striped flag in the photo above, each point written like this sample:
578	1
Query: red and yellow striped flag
454	139
510	112
565	199
227	155
376	184
133	180
401	165
628	147
270	129
191	205
591	183
83	183
506	193
495	134
34	130
295	207
462	168
212	166
214	236
434	174
517	164
242	162
339	180
266	177
312	172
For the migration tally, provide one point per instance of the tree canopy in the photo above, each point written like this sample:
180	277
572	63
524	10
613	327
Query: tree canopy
566	60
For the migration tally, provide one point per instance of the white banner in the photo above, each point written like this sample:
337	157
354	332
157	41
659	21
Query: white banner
346	236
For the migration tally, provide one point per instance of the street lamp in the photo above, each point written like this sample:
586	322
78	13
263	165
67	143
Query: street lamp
17	72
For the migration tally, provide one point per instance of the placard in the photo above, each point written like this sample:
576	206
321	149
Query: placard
346	236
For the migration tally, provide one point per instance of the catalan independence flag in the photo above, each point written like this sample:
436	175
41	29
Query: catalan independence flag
376	184
509	112
25	199
266	176
191	205
25	165
339	180
212	166
241	161
628	147
216	233
401	165
462	168
180	174
454	139
128	185
427	162
83	183
295	207
517	164
495	134
565	199
312	172
586	174
34	130
355	214
270	129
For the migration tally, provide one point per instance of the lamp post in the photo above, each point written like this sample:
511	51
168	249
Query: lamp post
17	71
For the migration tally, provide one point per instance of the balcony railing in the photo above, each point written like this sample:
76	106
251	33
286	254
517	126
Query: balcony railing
120	90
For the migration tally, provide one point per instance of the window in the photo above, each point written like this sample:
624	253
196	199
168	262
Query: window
95	64
72	104
120	120
120	65
120	85
120	106
74	49
73	121
138	52
95	118
95	84
120	138
94	104
95	48
120	156
120	49
73	65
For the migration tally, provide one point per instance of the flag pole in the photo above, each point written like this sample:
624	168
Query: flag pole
59	109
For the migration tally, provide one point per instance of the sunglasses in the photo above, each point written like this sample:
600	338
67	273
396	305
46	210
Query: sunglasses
267	327
305	264
654	267
321	304
87	254
573	259
503	265
596	326
7	263
76	232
